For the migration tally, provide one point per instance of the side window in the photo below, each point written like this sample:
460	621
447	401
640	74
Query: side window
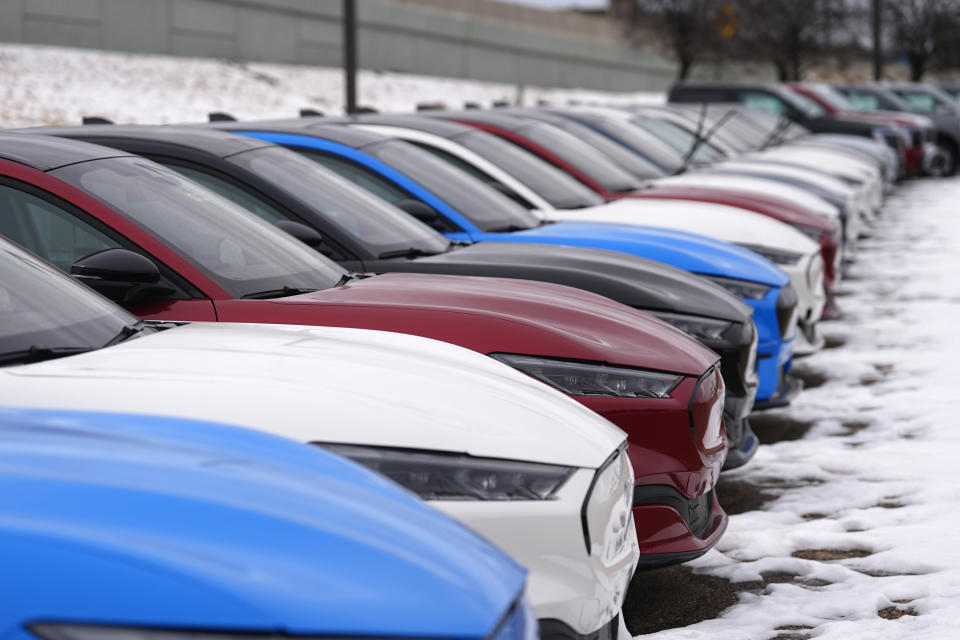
864	101
47	230
763	101
229	191
359	175
920	101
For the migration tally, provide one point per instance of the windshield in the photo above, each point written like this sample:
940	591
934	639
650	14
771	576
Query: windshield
834	98
611	144
490	210
596	166
556	187
370	221
805	104
639	142
680	139
233	247
41	308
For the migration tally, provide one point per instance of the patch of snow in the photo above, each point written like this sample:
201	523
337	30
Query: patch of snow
58	85
878	474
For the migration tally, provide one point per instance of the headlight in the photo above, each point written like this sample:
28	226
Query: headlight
450	476
742	288
607	516
811	232
776	256
695	326
92	632
584	379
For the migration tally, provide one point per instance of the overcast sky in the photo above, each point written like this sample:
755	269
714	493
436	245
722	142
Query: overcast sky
560	5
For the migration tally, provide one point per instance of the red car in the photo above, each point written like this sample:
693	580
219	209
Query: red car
166	248
521	132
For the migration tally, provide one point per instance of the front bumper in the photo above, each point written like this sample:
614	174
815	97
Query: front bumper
686	528
558	630
579	589
807	276
741	441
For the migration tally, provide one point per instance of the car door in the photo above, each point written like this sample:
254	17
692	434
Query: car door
61	233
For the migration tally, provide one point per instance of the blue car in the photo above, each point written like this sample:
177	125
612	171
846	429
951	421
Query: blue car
120	527
467	210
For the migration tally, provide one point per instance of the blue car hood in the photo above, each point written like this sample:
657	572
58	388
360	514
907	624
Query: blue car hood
688	251
134	520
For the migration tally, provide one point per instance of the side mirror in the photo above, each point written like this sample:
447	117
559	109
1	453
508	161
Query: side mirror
307	235
421	211
123	276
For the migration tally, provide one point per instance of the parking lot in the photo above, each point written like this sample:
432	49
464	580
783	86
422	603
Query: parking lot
842	524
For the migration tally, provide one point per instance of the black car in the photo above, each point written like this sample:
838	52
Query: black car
364	233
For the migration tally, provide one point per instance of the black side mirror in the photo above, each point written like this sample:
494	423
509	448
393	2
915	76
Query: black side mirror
421	211
307	235
123	276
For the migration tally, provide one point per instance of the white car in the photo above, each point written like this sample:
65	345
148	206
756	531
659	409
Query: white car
537	473
790	249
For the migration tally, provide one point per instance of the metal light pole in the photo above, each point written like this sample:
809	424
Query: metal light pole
350	54
877	41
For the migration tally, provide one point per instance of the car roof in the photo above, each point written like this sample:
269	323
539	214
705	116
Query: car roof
315	126
45	152
436	126
219	143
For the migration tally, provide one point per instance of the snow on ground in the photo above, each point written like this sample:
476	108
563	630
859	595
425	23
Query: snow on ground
56	85
878	474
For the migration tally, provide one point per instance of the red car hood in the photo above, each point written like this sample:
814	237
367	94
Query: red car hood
772	206
490	315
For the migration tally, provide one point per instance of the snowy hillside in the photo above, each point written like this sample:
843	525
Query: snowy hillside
53	85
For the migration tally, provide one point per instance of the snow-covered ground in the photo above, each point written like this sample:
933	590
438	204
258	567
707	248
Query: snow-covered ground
875	483
57	85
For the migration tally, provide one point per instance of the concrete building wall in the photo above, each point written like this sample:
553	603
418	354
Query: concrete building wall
477	39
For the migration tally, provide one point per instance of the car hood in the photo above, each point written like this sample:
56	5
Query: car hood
629	280
316	384
815	178
824	159
133	520
760	186
718	221
689	251
773	206
495	315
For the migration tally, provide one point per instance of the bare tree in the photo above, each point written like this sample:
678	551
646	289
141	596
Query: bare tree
788	33
685	28
919	30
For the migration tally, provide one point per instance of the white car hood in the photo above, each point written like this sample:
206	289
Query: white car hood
714	220
760	186
328	385
820	158
821	180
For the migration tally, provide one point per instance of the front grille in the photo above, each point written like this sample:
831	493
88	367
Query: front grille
787	311
696	512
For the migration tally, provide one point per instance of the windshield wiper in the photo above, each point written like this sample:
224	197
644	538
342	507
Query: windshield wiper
38	354
127	331
283	292
411	252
